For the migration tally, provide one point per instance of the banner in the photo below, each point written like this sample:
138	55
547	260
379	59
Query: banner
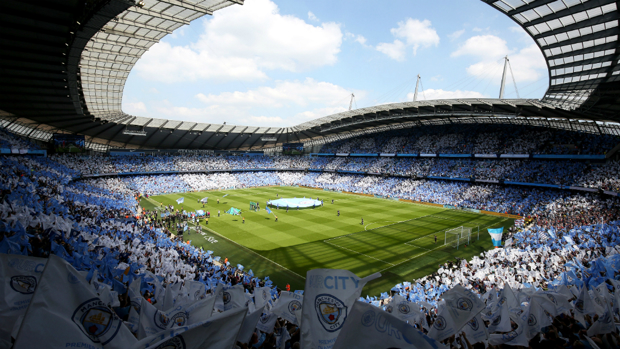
461	305
220	331
287	304
20	275
329	296
249	324
65	312
496	236
180	200
200	212
204	200
370	327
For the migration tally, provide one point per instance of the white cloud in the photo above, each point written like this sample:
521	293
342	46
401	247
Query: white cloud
225	50
395	50
457	34
432	94
527	64
282	101
415	33
312	17
135	108
360	39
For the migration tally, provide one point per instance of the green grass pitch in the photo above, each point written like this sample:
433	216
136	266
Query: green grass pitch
397	238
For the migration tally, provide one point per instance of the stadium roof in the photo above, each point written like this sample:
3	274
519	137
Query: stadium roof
65	63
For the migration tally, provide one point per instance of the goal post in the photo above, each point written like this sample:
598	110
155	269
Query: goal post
458	236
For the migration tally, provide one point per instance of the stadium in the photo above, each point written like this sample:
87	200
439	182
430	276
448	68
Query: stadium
445	223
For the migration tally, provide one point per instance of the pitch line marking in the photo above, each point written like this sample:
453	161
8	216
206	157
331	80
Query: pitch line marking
423	253
247	249
348	249
383	226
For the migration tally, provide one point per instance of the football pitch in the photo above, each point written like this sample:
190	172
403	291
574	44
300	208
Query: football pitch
397	238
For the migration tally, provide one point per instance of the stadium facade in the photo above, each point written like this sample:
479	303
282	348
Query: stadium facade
65	64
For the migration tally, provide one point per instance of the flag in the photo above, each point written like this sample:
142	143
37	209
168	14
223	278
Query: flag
268	210
219	331
65	312
460	306
153	321
262	295
535	318
225	196
287	304
180	200
369	327
406	311
249	325
267	322
516	337
496	236
204	199
475	330
22	275
584	305
330	294
230	297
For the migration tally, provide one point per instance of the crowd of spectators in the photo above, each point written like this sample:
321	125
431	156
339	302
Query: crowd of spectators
97	226
11	141
476	139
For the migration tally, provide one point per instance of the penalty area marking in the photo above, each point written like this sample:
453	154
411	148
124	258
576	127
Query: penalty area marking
423	253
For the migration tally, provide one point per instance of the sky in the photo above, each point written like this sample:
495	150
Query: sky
284	62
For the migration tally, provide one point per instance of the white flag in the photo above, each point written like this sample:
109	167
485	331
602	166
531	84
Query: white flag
406	311
535	318
516	337
604	324
20	276
65	312
287	304
196	290
249	325
153	321
475	330
329	296
370	327
262	295
461	305
584	305
232	297
220	331
267	322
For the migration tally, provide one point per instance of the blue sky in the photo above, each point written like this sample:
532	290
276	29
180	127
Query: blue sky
283	62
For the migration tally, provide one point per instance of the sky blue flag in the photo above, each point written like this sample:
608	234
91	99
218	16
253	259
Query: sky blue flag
180	200
225	195
496	236
268	210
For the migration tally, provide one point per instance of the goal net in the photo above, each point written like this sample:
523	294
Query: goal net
458	236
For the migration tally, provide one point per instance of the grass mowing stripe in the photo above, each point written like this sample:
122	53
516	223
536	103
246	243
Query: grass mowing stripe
258	254
306	239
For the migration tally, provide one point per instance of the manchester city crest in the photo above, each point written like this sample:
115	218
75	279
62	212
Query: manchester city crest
293	306
497	321
226	297
331	311
389	309
172	343
531	320
510	336
404	308
166	321
136	305
24	284
464	304
502	301
579	305
473	323
264	294
368	318
552	299
440	323
97	321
